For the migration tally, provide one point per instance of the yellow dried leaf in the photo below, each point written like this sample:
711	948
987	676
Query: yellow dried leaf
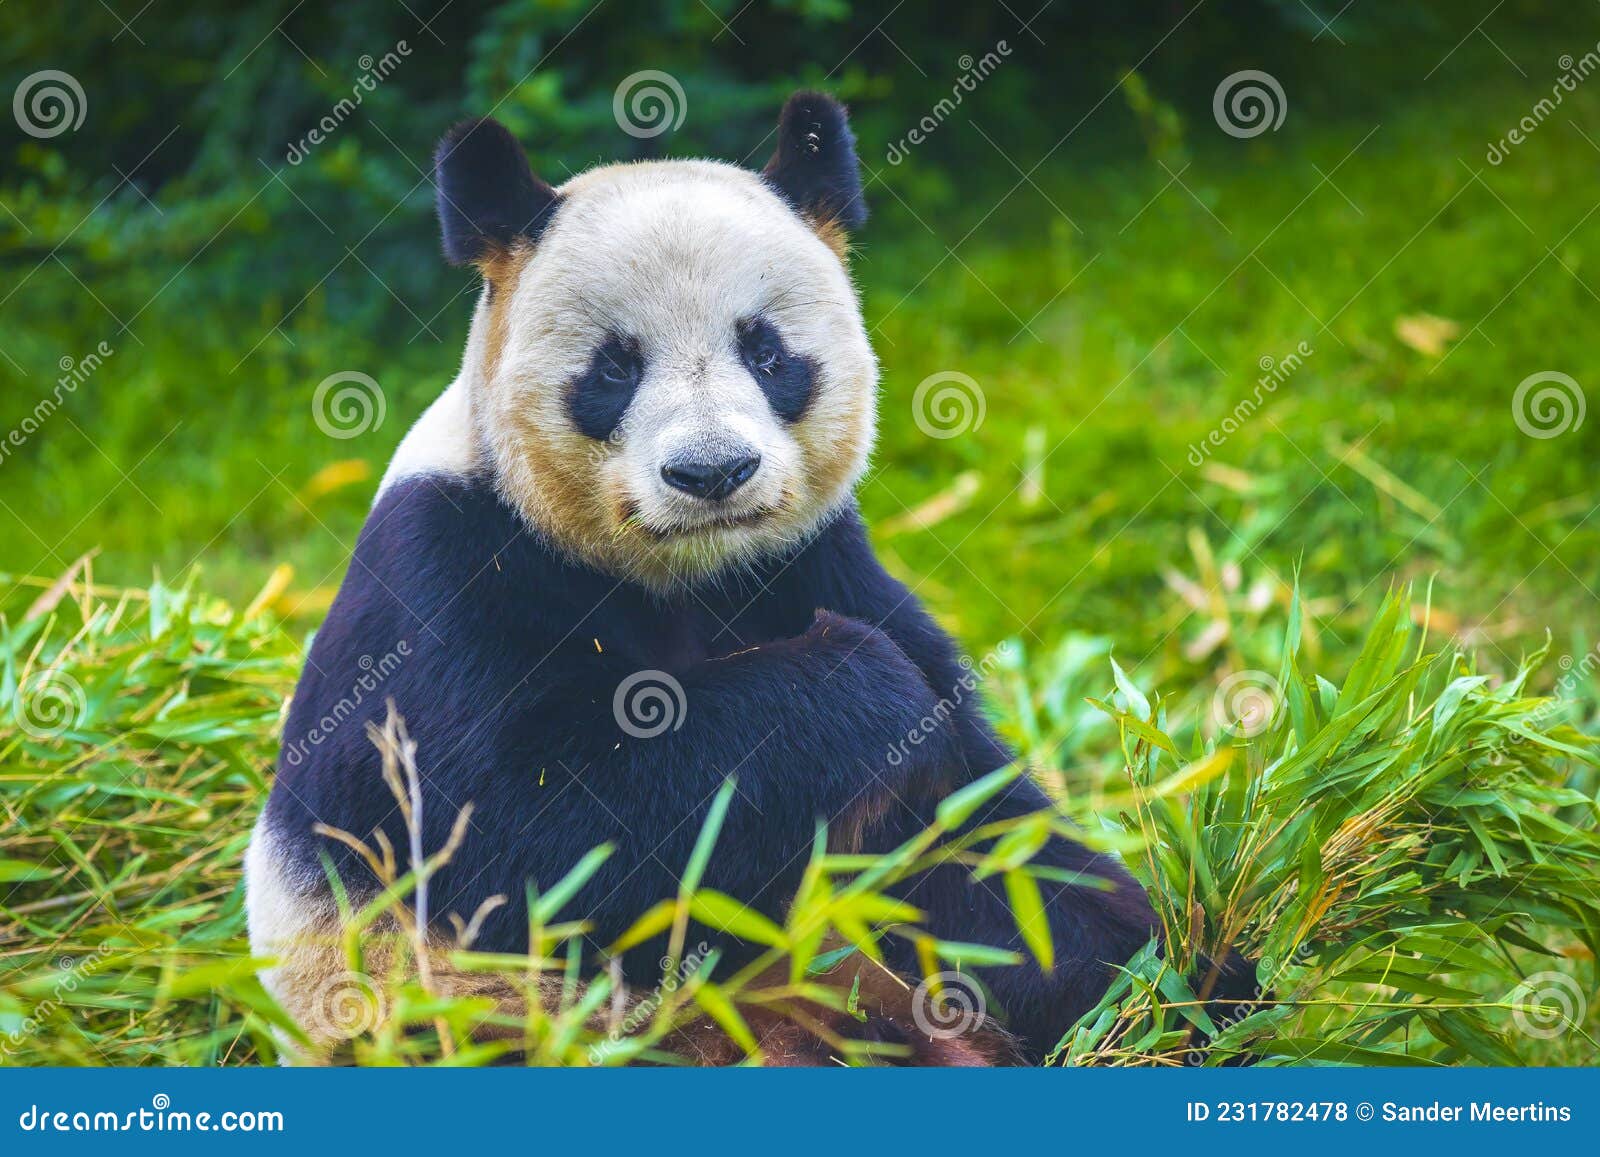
336	476
1426	333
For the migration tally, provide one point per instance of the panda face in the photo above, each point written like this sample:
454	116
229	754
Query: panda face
681	380
667	374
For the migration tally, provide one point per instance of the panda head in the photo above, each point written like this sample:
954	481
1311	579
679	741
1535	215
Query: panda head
668	373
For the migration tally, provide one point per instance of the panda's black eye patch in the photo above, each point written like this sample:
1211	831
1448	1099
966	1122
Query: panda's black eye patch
786	378
599	396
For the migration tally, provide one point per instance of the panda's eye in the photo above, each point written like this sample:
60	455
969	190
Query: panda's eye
619	369
784	376
761	347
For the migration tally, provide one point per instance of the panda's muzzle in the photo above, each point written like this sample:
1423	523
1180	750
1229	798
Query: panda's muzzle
713	480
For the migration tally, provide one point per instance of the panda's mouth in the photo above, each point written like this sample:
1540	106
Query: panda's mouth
715	522
632	517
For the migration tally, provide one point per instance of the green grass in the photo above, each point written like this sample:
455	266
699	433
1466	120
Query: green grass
1411	851
1158	339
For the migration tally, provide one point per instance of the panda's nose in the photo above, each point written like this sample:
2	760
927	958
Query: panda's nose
713	480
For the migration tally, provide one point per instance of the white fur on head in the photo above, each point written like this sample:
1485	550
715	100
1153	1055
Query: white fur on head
691	273
674	255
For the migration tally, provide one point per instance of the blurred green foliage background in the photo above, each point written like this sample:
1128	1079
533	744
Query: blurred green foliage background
1079	236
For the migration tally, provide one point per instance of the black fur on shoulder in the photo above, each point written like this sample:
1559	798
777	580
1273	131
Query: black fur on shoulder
814	166
488	196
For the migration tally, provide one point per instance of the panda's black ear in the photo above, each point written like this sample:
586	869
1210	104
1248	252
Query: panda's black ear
488	196
814	166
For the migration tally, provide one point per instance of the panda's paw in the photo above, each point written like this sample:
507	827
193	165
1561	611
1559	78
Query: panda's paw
832	629
1232	992
871	653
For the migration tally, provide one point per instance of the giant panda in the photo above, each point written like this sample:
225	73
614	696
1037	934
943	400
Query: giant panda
646	464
